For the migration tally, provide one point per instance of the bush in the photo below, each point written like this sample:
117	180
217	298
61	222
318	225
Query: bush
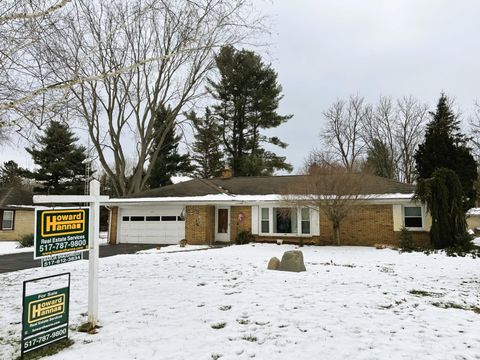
406	240
244	237
26	240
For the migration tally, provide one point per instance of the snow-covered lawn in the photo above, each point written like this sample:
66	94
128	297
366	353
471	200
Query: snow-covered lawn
12	247
352	303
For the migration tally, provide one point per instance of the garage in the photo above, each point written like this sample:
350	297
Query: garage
151	225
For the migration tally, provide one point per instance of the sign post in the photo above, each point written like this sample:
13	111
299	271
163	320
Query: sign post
94	226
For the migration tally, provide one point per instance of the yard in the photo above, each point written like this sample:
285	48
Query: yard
352	303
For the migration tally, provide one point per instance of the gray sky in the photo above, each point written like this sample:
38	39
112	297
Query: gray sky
329	49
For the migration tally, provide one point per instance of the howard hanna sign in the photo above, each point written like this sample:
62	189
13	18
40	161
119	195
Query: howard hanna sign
59	231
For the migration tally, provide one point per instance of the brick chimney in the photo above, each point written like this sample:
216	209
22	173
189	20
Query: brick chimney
227	173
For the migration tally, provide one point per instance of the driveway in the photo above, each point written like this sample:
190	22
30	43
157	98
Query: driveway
21	261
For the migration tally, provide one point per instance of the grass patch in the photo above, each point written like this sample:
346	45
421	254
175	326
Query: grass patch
225	307
48	350
451	305
216	356
218	325
250	338
425	293
243	321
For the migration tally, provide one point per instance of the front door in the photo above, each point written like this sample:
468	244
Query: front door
222	224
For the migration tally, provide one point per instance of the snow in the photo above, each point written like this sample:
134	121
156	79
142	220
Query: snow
352	303
473	212
173	249
476	241
179	179
245	198
12	247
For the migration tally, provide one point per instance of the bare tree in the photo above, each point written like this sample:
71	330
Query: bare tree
329	188
23	24
474	123
124	60
409	133
343	131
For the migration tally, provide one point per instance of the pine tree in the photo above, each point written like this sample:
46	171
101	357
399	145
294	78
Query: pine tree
169	161
380	160
248	96
446	147
61	162
11	174
207	154
442	192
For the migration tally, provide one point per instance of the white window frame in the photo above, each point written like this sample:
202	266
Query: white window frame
422	214
11	219
270	221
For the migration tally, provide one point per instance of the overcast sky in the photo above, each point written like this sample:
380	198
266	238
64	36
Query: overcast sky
329	49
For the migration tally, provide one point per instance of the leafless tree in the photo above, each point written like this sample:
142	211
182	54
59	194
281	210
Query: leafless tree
23	24
329	188
343	131
474	123
400	126
122	60
411	122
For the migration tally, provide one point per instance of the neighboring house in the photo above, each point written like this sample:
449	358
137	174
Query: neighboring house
17	215
204	211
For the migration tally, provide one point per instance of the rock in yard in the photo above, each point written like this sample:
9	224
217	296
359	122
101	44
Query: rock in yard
292	261
273	264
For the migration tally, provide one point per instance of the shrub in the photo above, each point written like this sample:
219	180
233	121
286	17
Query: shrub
244	237
26	240
406	240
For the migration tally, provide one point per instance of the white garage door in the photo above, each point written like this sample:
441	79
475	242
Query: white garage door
151	225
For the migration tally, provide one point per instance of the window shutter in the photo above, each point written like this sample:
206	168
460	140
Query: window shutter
255	220
1	219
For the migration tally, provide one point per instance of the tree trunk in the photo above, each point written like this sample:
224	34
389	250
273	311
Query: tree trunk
336	234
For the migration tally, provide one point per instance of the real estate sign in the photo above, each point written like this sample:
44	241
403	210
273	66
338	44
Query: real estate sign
45	316
59	231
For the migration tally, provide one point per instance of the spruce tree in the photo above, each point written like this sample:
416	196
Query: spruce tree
60	161
442	193
11	174
207	154
380	160
446	147
248	96
169	161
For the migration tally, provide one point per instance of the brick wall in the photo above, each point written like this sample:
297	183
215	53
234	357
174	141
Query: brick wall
200	224
236	224
24	222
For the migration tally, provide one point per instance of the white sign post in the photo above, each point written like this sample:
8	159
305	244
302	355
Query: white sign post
94	199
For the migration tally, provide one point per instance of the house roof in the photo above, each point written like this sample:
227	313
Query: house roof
11	197
264	185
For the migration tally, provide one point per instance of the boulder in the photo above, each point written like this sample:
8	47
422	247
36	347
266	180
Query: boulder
273	264
292	261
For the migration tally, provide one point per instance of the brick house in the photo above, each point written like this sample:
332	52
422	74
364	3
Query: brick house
17	214
204	211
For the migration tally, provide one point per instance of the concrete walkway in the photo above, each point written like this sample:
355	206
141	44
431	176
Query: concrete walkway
21	261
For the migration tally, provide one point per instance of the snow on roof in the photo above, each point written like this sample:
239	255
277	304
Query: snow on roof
244	198
473	212
180	179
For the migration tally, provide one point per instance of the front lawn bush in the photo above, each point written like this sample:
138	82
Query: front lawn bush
244	237
26	240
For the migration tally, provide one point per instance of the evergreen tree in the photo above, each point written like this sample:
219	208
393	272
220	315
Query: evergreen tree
61	162
442	192
207	154
169	161
11	174
248	96
380	160
446	147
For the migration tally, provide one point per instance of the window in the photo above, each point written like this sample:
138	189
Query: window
152	218
265	228
284	220
137	218
7	221
169	218
413	216
305	221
